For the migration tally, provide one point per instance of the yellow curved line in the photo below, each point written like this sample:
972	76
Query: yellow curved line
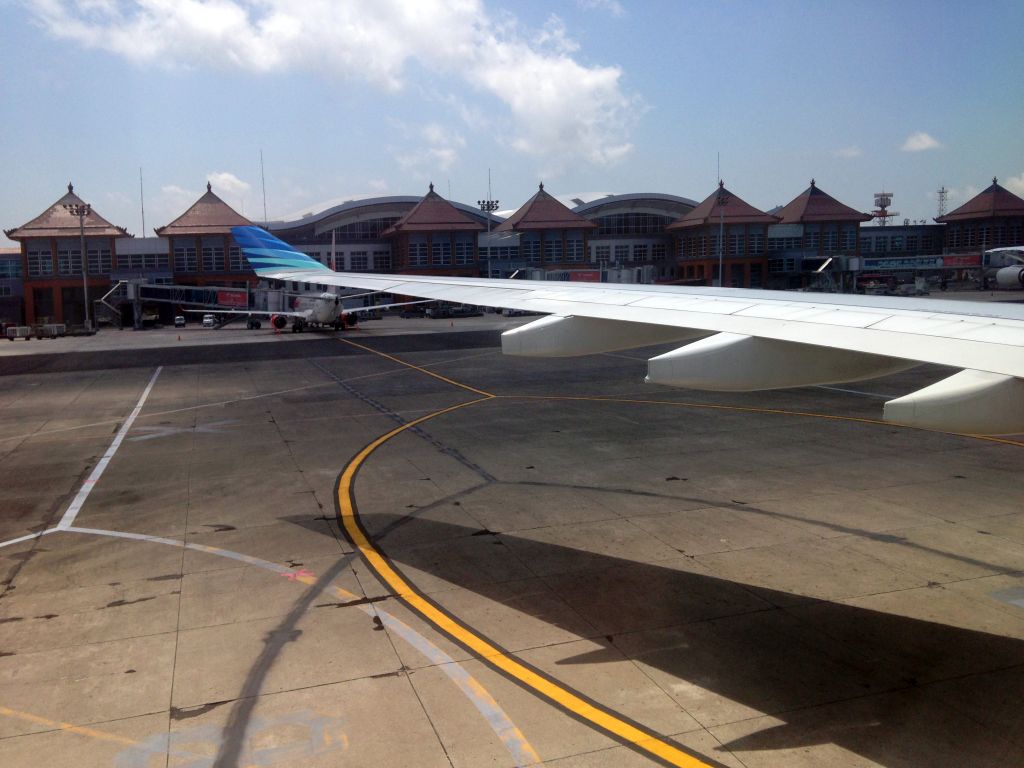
496	657
546	687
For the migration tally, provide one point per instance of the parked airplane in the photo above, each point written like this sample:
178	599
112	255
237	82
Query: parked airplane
321	311
739	339
1006	265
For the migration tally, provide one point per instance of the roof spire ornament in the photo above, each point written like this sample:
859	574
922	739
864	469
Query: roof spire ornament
542	186
209	187
71	188
812	181
721	184
995	180
431	186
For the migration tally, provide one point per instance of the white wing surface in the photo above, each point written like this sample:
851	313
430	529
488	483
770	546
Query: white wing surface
746	339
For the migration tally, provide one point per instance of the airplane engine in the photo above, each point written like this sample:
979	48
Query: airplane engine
1010	277
279	321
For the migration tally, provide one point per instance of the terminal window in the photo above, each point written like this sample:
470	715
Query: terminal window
463	253
418	254
9	268
553	250
213	258
442	252
185	259
99	261
69	262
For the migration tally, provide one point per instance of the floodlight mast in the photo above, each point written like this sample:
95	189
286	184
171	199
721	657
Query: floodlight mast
81	210
488	207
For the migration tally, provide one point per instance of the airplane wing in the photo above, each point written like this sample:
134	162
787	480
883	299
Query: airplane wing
372	307
739	339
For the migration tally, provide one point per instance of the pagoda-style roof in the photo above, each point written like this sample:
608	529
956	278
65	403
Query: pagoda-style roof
813	205
735	210
433	214
996	201
58	221
209	215
542	211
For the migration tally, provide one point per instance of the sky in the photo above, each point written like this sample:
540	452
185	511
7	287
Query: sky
144	102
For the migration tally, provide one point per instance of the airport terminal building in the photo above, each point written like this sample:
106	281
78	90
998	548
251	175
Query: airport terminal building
813	241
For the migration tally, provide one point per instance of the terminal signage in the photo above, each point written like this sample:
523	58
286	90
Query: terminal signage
919	262
232	299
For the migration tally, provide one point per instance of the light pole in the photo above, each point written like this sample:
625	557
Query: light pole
723	200
488	207
81	210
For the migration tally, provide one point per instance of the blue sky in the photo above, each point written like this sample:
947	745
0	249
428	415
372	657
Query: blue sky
373	97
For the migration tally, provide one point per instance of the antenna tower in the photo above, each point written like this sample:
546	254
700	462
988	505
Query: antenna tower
882	202
943	196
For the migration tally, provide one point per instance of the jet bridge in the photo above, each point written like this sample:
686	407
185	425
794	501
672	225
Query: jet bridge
212	297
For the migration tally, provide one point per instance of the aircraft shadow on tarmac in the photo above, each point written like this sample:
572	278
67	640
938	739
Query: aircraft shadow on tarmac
821	667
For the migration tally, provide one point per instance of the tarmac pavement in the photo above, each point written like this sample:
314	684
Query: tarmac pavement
556	565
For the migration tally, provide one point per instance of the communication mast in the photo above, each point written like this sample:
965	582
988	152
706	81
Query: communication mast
882	202
943	195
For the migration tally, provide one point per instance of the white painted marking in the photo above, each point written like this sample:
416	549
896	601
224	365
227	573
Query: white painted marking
27	538
511	737
97	471
152	433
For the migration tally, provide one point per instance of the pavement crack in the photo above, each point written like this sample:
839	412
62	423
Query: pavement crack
350	603
187	713
119	603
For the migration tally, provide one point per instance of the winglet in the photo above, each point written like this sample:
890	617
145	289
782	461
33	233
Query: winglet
269	256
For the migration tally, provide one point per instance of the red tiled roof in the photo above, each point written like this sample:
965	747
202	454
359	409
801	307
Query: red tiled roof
542	211
433	214
990	203
209	215
57	221
814	205
735	211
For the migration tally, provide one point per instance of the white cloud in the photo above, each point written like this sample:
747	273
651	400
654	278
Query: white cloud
560	109
849	152
919	142
614	7
1015	184
440	153
227	185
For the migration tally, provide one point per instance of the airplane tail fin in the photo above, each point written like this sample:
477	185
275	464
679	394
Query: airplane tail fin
270	257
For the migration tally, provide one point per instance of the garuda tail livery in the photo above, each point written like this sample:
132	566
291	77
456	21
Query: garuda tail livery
739	339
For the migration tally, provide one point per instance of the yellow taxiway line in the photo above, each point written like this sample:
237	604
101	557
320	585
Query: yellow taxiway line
491	653
576	704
